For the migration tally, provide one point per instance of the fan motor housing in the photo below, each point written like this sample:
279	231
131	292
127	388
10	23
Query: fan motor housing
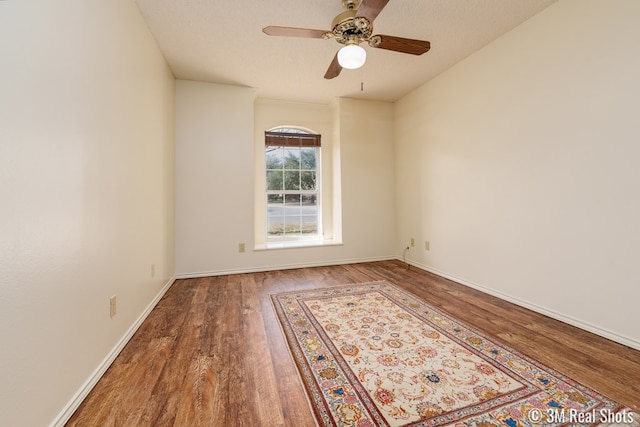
347	27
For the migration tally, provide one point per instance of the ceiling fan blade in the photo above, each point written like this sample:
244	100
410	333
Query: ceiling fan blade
370	9
334	69
294	32
400	44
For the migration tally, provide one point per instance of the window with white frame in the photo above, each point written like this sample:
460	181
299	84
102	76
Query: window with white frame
292	177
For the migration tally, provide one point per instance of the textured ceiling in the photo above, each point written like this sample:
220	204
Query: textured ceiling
220	41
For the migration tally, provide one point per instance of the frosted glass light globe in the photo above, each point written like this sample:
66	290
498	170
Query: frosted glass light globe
352	56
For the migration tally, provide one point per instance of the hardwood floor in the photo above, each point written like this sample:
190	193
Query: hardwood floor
212	353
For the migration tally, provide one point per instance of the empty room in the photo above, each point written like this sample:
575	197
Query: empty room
321	213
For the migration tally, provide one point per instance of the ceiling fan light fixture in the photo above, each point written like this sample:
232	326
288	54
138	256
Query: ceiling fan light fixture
352	56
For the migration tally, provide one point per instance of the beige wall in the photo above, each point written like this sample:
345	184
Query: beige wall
217	129
368	213
86	186
520	166
214	174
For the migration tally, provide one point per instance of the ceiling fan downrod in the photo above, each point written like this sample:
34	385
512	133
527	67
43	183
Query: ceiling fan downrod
351	4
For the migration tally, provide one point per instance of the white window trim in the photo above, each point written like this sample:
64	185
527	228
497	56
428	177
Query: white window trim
297	240
332	235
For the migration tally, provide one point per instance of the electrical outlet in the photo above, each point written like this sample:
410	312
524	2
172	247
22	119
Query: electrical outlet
112	306
153	270
413	242
427	246
241	247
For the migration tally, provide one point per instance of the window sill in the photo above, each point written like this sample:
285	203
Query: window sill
296	244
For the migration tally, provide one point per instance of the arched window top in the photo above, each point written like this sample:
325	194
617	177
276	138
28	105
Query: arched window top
286	129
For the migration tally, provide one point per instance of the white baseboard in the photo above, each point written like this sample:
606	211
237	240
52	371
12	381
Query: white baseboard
279	267
66	413
603	332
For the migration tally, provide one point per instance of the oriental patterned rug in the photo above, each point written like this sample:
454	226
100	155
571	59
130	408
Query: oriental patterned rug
375	355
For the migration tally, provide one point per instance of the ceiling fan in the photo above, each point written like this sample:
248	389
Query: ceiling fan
350	28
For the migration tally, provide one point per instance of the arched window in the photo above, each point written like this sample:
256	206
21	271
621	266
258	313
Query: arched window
292	177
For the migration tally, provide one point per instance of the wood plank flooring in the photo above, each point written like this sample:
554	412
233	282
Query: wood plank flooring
212	353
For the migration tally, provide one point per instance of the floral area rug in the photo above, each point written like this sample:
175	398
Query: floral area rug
375	355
